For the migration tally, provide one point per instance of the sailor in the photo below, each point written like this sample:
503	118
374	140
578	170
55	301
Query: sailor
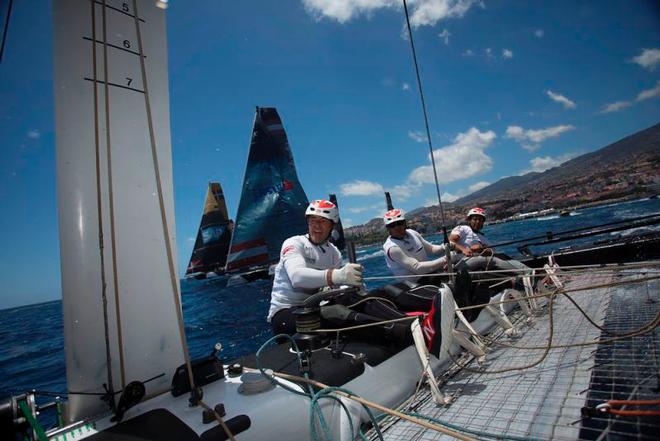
479	255
310	262
407	252
469	238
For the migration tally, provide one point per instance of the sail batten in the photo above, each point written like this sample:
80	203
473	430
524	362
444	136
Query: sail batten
273	202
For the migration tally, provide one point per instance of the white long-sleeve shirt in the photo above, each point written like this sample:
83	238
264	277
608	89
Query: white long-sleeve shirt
410	255
302	270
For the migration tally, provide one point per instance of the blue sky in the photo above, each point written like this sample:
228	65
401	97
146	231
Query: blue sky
510	86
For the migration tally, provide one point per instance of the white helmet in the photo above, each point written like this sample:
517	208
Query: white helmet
476	211
394	215
323	208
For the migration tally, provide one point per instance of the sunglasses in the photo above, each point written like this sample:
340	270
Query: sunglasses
396	224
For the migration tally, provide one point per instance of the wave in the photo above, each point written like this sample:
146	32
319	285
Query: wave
378	253
634	231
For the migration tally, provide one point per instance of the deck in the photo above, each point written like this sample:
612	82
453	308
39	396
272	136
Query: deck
526	393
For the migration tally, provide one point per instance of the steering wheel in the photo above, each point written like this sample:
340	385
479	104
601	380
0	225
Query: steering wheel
315	299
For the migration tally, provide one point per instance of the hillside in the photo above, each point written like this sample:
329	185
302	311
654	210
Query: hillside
627	168
641	143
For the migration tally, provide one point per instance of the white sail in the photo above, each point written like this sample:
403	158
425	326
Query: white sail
140	287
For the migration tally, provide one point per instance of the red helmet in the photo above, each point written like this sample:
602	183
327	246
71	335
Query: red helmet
476	211
323	208
394	215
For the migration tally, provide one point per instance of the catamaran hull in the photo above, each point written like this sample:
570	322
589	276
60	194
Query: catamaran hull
276	413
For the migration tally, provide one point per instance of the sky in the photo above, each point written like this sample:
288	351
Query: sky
510	87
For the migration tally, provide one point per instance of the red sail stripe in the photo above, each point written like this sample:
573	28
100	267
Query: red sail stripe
254	260
247	245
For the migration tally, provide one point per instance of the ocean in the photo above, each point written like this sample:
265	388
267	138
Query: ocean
32	344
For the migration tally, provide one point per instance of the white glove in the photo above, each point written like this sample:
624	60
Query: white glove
349	274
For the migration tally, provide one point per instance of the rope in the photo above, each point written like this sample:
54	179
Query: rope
617	266
111	198
166	234
99	212
607	407
379	407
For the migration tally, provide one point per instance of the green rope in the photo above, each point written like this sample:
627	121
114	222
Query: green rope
41	435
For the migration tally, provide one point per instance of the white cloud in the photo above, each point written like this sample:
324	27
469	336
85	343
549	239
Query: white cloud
429	12
529	139
34	134
561	99
191	239
641	96
615	107
346	222
444	35
462	159
417	136
648	59
468	53
405	86
489	52
361	188
539	33
403	191
507	53
649	93
447	197
478	186
422	12
543	163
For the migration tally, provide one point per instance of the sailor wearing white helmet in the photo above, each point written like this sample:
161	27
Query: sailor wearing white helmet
307	263
407	252
477	250
468	238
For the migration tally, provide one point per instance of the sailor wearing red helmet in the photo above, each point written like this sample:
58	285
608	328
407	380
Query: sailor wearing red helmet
407	252
307	263
468	238
477	250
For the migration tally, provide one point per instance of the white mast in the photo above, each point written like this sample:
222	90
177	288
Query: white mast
114	223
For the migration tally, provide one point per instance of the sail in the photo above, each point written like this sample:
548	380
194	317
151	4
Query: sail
214	234
115	200
273	203
337	236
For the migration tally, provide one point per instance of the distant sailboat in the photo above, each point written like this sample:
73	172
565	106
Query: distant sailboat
272	202
209	254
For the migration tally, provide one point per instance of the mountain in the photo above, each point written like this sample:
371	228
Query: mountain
641	143
627	168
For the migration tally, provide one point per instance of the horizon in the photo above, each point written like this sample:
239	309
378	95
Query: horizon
510	88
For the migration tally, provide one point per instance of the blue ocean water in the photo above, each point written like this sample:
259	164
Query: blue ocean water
32	345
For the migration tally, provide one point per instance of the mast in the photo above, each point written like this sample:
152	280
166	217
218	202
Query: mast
337	236
120	294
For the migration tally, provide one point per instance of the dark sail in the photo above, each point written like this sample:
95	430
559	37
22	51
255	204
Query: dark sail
337	236
214	234
273	203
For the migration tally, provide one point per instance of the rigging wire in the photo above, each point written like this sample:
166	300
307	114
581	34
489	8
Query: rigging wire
6	28
428	136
